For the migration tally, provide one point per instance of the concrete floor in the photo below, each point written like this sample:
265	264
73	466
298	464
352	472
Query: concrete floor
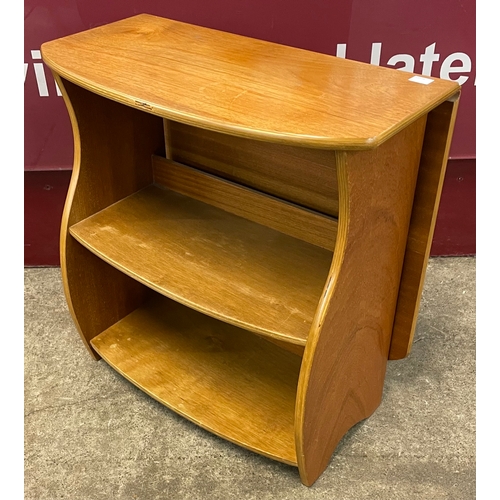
91	435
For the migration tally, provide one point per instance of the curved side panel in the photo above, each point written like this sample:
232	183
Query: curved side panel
113	145
343	369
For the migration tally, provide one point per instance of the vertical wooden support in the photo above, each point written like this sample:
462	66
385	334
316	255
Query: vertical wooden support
435	150
168	138
343	368
112	159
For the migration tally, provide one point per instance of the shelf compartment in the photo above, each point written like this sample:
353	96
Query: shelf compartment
226	380
215	262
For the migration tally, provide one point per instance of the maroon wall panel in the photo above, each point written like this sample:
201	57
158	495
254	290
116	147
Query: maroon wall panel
44	196
435	37
455	232
432	37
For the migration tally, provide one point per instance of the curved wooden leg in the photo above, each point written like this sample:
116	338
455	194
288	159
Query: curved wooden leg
344	362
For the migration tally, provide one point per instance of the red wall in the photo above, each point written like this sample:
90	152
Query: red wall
434	37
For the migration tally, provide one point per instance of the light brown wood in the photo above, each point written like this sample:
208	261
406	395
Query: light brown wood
215	262
274	142
304	176
242	86
288	218
436	147
224	379
111	160
344	362
294	348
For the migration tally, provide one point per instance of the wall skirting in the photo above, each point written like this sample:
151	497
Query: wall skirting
45	193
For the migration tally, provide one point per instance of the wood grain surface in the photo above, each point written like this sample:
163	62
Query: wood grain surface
215	262
275	142
283	216
343	370
113	145
435	150
304	176
242	86
224	379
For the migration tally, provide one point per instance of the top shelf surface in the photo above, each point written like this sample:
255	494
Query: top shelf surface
243	86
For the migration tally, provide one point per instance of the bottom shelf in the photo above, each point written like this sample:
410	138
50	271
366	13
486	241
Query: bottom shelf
225	379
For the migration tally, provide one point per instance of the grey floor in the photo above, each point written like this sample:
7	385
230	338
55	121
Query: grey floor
91	435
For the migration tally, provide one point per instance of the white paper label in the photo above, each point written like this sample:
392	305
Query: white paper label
421	79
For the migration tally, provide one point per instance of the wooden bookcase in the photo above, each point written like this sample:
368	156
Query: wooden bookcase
247	228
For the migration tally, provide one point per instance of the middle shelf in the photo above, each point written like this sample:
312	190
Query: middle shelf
220	264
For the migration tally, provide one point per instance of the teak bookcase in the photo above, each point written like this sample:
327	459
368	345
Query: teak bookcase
247	227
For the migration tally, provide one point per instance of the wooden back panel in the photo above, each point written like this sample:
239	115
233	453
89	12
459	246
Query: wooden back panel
283	216
303	176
